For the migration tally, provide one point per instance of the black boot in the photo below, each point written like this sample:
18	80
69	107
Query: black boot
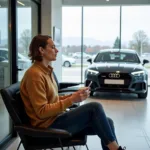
120	148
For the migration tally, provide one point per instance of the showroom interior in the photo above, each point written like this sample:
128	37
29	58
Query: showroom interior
80	30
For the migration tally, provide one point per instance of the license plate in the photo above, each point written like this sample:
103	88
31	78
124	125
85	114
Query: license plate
110	81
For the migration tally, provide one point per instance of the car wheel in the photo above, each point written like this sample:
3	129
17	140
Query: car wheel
67	64
143	95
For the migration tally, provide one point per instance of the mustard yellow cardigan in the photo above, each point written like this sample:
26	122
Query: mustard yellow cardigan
40	96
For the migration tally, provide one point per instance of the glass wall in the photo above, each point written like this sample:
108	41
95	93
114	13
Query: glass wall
101	30
27	27
71	44
4	67
137	37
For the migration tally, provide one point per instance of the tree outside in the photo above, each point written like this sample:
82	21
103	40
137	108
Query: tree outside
25	40
117	43
139	42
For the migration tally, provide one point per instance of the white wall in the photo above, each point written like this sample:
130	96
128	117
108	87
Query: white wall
51	11
104	2
57	22
46	17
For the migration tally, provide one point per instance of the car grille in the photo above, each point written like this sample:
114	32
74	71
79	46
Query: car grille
123	76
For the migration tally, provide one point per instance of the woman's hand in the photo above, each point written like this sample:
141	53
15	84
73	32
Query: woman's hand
81	95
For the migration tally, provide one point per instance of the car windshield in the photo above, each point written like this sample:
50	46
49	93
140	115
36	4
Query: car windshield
117	57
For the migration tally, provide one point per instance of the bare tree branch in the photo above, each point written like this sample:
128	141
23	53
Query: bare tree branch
139	39
25	39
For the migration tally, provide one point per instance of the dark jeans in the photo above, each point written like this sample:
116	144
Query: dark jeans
88	119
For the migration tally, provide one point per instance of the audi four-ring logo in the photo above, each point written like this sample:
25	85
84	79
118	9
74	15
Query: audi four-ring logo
114	75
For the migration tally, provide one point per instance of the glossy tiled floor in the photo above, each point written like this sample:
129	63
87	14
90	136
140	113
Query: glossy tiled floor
131	117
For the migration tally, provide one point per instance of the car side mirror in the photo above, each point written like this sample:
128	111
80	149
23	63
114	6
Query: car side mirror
89	60
145	61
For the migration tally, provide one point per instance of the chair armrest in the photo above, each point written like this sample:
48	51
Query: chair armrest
39	132
67	84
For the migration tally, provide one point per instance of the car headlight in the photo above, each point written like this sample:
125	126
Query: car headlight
138	73
93	72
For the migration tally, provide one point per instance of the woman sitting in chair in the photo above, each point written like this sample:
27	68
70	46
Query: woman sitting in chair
46	108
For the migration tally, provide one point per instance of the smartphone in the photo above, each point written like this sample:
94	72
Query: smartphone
90	84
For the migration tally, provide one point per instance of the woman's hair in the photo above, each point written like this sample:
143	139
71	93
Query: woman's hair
37	42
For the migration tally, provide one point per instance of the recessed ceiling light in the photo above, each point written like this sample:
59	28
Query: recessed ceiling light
107	0
20	3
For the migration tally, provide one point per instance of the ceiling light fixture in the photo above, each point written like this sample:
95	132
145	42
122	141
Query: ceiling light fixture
107	0
20	3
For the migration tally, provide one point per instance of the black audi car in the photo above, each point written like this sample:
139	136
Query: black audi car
115	70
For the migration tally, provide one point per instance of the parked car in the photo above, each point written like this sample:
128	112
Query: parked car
78	55
116	70
23	62
67	61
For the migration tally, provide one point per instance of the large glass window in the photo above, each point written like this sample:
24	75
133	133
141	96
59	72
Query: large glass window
71	44
4	67
101	30
27	26
97	35
137	36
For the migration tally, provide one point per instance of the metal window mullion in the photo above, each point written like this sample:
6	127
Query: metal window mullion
120	27
82	43
13	40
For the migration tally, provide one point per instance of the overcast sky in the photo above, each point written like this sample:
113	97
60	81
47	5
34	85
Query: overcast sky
102	23
23	19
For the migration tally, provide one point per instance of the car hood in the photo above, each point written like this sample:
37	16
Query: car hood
113	67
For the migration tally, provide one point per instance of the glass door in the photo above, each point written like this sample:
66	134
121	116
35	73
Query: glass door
5	128
27	28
